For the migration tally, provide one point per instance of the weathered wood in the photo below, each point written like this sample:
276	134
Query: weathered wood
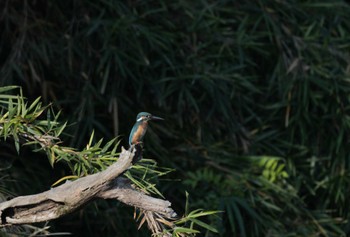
70	196
124	192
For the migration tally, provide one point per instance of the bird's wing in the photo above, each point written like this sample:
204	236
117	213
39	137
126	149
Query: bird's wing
133	131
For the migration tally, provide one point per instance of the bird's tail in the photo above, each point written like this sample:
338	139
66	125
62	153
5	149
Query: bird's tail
138	153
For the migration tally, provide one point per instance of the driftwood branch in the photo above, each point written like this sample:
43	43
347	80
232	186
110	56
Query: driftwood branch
70	196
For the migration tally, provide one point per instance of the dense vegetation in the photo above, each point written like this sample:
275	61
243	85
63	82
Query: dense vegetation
255	95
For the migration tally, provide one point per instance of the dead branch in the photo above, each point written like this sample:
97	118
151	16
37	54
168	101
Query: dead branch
70	196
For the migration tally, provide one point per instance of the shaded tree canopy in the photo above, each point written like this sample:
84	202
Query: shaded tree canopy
255	97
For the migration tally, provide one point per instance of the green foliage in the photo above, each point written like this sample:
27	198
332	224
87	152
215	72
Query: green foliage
145	174
188	225
20	120
192	219
273	169
255	95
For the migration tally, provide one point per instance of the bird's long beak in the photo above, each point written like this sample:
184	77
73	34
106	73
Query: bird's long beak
156	118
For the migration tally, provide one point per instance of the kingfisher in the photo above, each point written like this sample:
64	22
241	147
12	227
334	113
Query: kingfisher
139	129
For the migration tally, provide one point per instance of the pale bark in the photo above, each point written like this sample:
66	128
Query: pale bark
70	196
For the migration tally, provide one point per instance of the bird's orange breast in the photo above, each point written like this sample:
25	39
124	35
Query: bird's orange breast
140	132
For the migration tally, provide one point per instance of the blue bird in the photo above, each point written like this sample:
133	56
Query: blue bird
139	129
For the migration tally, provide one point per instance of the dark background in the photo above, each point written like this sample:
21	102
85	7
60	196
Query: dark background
255	96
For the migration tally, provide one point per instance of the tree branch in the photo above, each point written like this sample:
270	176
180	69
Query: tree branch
123	191
69	196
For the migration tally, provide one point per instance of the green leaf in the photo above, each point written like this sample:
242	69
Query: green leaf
16	140
60	129
7	88
185	230
51	157
187	203
205	225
